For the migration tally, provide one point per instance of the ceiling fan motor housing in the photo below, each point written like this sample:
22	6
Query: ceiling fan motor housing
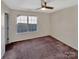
44	5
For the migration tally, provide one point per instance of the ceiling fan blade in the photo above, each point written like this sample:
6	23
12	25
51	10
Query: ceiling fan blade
49	7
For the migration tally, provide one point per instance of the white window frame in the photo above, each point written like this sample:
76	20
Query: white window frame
27	23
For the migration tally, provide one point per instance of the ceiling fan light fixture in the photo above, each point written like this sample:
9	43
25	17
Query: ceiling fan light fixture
43	8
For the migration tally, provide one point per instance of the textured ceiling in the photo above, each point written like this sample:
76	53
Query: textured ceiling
32	5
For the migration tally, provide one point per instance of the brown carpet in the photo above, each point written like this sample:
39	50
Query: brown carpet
45	47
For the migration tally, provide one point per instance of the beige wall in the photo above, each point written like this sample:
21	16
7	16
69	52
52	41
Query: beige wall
2	35
64	26
43	26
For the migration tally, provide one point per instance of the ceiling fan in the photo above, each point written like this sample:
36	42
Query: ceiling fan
44	5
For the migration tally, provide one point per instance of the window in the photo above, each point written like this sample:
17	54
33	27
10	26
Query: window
26	24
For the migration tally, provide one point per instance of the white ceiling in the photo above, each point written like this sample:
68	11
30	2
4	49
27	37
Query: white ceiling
32	5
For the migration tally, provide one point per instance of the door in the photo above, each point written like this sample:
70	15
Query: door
6	28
